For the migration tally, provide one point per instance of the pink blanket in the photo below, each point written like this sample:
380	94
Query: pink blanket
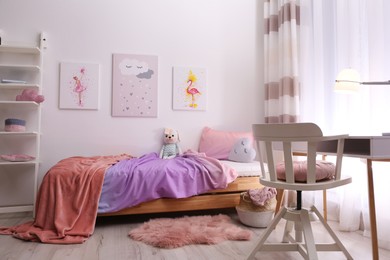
67	202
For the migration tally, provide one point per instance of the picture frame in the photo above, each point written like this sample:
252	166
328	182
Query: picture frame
79	85
189	89
135	85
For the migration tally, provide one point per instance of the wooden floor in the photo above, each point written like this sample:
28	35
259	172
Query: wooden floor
110	241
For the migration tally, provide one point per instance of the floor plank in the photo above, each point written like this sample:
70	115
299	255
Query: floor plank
110	241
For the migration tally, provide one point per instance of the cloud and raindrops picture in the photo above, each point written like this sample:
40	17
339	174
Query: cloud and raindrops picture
79	85
134	84
189	88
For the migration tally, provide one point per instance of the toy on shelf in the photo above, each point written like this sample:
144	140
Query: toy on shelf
30	95
15	125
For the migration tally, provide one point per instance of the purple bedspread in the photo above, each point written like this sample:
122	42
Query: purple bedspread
130	182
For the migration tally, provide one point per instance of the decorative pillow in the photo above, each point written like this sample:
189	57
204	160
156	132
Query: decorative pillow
242	151
218	144
325	170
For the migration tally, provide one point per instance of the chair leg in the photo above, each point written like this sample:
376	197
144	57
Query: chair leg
267	232
287	230
308	233
298	231
324	199
331	233
279	199
307	246
325	205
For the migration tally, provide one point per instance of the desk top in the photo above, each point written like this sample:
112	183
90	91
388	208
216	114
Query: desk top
372	147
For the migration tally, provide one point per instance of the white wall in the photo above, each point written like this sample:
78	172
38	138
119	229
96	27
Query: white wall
223	36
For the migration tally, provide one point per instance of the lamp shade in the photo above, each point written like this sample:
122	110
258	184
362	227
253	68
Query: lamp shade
347	80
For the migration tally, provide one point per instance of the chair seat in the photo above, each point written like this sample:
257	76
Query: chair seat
325	170
322	185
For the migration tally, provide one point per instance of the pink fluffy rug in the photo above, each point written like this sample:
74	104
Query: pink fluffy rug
177	232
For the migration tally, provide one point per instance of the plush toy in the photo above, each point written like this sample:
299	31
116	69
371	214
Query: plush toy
171	147
242	151
30	95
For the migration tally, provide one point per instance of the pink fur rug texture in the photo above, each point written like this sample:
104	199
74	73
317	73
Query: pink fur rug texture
177	232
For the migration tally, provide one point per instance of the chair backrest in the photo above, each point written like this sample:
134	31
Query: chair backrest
290	137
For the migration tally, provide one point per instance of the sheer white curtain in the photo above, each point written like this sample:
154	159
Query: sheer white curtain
337	34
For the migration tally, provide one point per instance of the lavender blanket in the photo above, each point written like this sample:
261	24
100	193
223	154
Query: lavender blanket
130	182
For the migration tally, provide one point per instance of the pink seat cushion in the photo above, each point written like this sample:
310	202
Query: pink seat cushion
324	171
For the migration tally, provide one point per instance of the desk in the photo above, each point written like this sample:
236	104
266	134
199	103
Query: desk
371	148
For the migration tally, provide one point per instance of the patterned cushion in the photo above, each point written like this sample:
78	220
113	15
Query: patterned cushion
324	171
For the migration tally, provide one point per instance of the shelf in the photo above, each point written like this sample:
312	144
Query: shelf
18	163
10	86
20	103
19	49
20	67
22	64
10	209
14	107
19	133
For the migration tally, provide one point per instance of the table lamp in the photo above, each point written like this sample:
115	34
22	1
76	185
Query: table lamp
349	80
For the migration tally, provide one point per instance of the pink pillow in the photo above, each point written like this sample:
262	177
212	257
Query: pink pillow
324	171
218	144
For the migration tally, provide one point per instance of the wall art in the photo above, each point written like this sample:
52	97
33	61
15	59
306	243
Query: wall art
134	85
79	85
189	88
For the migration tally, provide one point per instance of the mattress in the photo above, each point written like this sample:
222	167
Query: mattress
245	169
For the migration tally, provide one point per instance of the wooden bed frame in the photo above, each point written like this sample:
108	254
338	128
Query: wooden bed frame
216	199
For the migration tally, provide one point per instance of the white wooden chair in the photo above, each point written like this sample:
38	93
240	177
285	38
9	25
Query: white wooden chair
284	137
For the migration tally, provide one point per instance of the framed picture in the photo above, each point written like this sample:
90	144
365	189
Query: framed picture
189	88
134	85
79	85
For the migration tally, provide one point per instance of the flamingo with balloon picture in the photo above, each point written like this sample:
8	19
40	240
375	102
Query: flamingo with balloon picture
191	90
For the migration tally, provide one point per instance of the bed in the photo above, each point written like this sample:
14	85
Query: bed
233	150
71	194
229	197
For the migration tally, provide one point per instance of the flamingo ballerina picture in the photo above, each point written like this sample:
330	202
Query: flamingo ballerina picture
189	88
79	86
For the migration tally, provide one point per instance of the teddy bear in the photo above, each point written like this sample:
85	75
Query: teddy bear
171	148
30	95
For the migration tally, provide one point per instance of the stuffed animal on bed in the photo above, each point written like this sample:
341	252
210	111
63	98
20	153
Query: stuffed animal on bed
171	147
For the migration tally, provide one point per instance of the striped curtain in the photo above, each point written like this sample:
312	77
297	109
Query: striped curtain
281	44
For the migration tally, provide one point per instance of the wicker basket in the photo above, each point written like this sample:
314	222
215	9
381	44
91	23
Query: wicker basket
253	215
247	204
260	219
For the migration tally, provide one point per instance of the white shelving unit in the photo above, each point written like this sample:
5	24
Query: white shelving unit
18	180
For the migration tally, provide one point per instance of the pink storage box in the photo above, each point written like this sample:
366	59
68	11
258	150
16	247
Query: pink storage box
15	125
